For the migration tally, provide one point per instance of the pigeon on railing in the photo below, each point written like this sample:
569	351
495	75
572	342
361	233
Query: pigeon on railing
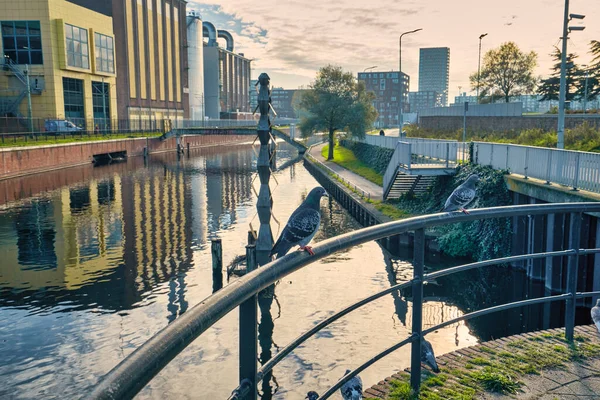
352	390
302	225
427	355
596	314
462	195
312	395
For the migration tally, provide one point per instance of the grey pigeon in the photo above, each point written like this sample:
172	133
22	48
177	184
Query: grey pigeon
427	355
312	395
596	314
302	225
462	195
352	390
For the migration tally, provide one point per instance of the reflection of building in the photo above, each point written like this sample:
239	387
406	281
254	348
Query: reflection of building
68	47
151	58
421	100
386	87
226	77
434	71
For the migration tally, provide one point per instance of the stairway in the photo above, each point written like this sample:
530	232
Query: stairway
9	105
409	184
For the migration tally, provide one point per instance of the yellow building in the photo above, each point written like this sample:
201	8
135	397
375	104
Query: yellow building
68	49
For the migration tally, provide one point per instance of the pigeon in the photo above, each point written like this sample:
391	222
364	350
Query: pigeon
302	225
352	390
312	395
462	195
596	314
427	355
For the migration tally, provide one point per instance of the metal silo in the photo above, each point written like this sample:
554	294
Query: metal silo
196	65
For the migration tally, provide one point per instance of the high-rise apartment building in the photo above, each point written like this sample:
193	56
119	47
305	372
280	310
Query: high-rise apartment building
152	61
434	71
283	100
387	89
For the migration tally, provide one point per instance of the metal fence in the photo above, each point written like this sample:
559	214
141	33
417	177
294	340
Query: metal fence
402	157
135	371
577	169
227	123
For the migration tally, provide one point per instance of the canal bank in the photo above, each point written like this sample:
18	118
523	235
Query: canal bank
21	161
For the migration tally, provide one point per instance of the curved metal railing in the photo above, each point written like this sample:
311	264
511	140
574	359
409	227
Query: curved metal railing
135	371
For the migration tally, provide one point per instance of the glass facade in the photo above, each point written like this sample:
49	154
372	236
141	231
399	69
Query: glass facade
77	47
74	104
22	41
104	53
101	104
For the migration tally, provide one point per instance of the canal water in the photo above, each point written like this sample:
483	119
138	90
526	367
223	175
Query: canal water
94	261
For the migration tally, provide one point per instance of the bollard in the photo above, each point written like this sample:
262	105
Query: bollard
217	264
251	237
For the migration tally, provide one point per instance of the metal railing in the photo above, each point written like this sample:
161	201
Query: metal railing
135	371
227	123
577	169
401	158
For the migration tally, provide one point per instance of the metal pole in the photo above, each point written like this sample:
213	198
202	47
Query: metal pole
563	80
401	82
587	74
248	332
479	64
574	239
104	104
216	250
465	122
29	113
417	311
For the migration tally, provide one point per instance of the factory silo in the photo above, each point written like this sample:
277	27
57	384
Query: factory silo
196	65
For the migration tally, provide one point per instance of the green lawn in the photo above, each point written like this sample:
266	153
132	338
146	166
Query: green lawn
45	140
345	158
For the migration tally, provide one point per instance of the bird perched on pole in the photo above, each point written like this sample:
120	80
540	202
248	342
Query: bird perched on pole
596	314
302	225
462	195
427	355
352	390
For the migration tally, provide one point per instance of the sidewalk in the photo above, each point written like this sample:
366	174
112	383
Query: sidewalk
361	183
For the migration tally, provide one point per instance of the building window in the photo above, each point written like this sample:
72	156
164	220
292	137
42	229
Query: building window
382	85
105	59
22	41
101	104
73	96
395	80
77	47
393	98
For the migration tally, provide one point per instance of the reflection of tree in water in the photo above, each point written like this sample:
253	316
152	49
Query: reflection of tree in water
265	341
334	221
400	305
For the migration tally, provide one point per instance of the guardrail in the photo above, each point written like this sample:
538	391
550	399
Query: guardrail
577	169
135	371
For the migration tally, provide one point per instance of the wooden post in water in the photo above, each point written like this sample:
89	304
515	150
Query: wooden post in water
216	250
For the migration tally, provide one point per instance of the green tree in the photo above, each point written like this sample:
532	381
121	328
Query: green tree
549	88
507	70
594	70
336	101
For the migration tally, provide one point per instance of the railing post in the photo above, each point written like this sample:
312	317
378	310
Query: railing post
576	180
549	167
417	310
249	333
573	266
409	155
526	160
447	155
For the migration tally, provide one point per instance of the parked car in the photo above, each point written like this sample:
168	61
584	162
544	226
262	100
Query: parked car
58	126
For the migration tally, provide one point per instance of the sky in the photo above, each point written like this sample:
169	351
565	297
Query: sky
291	39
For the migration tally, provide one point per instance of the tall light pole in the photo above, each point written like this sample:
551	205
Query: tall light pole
366	69
479	64
563	72
401	80
587	75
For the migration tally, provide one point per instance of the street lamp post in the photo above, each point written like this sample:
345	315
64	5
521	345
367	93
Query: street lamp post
479	64
563	72
366	69
401	81
587	75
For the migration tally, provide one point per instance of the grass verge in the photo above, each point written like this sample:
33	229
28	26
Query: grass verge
345	158
46	140
500	371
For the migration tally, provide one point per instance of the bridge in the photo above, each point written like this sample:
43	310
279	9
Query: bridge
135	371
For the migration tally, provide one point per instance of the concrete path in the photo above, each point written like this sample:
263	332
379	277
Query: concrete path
577	378
361	183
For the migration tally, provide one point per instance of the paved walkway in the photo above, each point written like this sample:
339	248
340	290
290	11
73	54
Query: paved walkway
361	183
577	377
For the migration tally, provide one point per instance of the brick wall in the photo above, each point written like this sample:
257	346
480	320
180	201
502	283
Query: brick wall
29	160
494	124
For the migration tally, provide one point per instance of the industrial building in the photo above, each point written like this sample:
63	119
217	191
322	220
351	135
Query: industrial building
196	65
387	89
63	50
434	71
226	77
152	63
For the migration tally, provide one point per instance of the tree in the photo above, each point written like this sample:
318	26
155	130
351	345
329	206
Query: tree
507	70
594	70
550	87
336	101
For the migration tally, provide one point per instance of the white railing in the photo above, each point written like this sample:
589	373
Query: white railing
578	169
402	157
389	142
226	123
